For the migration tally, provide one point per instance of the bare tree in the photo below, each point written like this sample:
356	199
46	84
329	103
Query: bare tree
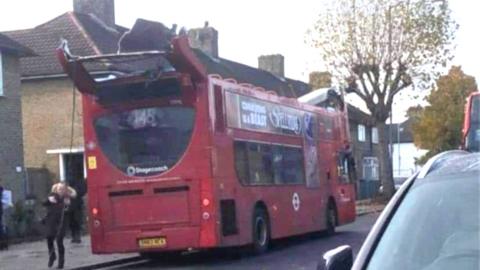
381	47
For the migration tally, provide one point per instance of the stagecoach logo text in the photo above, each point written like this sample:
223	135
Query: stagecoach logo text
132	170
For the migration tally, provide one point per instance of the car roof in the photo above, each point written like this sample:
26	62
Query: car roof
451	162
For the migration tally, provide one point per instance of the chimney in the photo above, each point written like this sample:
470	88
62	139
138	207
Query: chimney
205	39
272	63
104	10
320	79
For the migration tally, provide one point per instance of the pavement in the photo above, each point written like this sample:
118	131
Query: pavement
33	255
368	206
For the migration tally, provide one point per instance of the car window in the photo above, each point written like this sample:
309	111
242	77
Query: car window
436	226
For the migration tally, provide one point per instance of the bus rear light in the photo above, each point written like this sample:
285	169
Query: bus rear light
205	215
94	211
205	202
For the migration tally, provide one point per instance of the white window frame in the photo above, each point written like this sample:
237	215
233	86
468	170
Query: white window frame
361	133
2	92
61	152
372	164
374	135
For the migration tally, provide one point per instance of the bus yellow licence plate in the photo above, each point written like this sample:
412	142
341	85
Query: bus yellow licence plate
152	242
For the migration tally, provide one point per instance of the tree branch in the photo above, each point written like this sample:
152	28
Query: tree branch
373	83
392	94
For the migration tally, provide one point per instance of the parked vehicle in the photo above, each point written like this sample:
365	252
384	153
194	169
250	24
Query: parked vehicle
181	159
471	125
432	222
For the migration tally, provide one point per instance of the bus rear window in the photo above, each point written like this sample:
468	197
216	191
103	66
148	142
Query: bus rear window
145	141
266	164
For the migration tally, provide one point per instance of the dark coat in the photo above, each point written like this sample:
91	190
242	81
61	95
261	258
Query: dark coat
81	188
55	220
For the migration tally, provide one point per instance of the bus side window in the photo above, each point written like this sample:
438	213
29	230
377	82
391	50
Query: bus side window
265	164
260	164
241	161
288	165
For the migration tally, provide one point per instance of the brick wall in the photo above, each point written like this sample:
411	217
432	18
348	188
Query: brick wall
47	112
11	146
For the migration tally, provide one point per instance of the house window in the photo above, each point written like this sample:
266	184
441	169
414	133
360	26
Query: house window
1	75
361	133
374	135
370	168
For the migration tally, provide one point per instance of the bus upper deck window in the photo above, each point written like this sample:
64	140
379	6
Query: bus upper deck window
145	141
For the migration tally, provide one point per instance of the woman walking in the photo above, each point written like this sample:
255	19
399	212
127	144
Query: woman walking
55	221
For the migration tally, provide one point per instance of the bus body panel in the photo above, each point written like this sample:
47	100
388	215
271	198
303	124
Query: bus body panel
284	219
124	216
199	201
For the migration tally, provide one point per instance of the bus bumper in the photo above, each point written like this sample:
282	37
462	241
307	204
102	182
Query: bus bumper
128	241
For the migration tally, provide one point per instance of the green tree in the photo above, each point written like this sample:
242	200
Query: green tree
379	48
438	126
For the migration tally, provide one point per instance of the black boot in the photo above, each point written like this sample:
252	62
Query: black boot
51	259
61	252
61	261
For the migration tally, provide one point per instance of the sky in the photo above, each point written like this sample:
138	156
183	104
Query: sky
248	28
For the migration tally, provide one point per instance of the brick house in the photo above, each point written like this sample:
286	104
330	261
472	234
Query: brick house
11	144
52	152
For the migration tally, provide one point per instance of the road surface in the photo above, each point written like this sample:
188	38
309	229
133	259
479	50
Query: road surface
302	252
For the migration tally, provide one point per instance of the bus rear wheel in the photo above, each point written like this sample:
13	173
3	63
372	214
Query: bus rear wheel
261	231
331	219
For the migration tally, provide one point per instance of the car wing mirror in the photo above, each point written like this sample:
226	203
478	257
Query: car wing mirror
340	258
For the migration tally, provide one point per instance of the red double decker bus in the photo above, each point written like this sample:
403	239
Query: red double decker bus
181	159
471	125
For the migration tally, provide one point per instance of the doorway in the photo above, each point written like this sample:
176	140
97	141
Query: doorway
74	171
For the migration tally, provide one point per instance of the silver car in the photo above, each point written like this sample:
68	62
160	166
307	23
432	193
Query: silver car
432	222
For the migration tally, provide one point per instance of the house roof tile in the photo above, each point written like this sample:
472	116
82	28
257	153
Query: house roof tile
86	36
